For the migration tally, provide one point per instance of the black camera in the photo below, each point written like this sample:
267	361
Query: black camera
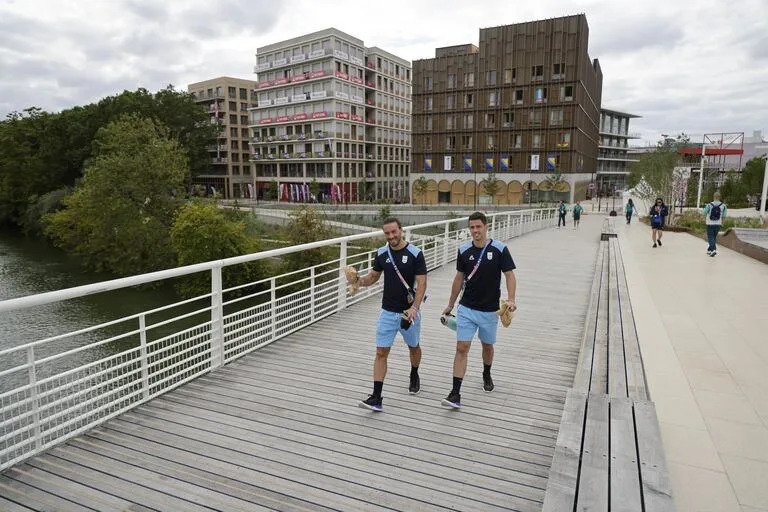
405	323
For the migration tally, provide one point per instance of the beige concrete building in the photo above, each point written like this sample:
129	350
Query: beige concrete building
332	114
228	100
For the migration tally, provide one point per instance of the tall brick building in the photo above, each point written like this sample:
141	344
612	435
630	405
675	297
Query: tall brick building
524	104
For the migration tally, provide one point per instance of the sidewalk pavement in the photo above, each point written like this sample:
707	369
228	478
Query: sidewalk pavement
703	329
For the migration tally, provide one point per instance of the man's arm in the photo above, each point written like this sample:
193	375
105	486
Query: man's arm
369	279
511	288
421	290
458	280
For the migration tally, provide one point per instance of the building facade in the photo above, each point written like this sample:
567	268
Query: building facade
227	100
524	105
332	120
613	160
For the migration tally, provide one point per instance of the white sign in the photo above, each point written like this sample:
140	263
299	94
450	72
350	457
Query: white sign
534	162
447	163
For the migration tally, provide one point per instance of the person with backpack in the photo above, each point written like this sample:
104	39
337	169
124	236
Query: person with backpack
629	210
562	208
577	209
714	213
658	215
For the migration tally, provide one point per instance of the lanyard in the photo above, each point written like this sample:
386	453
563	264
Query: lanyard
397	270
479	260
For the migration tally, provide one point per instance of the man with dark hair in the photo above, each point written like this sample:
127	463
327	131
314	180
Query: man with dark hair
479	266
405	282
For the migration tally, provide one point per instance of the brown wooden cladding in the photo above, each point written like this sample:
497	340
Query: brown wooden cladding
527	80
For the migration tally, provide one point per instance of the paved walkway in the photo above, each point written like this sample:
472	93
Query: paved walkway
703	329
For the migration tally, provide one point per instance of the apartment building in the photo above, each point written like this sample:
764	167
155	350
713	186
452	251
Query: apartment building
524	105
331	115
227	100
612	160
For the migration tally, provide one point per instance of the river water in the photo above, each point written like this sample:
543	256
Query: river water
29	266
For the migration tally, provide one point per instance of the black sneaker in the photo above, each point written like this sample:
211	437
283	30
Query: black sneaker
452	400
415	385
654	246
372	402
487	383
659	240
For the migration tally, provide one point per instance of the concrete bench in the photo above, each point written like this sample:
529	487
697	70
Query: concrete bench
609	454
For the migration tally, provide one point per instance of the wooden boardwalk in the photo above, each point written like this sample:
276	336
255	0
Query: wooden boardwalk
280	429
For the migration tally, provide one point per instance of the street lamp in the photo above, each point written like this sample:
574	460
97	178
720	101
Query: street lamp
765	184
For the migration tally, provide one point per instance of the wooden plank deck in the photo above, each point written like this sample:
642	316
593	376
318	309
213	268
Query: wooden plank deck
280	429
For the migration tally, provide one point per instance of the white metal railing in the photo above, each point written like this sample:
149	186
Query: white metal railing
55	388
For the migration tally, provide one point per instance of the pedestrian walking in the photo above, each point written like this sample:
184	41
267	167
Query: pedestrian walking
405	283
658	215
479	267
629	209
562	209
714	214
577	209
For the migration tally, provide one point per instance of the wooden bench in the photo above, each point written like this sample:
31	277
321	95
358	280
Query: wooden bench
609	454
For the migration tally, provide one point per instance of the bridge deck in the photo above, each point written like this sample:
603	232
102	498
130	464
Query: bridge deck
280	428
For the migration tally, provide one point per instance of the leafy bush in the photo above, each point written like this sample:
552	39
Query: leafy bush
202	232
696	222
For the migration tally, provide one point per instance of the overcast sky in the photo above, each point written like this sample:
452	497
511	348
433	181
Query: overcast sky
697	69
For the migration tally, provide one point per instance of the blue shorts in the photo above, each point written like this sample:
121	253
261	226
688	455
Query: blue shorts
469	321
389	326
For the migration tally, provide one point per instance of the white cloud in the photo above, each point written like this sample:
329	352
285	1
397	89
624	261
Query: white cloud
696	69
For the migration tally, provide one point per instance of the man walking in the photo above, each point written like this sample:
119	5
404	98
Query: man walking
577	209
562	209
714	213
403	266
479	266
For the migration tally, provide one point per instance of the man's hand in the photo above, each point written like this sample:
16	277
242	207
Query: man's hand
352	276
447	311
412	313
511	304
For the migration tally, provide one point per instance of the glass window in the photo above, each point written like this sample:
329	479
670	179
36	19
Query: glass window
451	82
490	78
469	79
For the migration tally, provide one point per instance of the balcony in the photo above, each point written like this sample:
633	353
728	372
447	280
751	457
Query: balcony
222	160
284	137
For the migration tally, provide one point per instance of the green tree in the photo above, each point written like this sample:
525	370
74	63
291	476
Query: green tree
202	232
41	152
118	217
752	176
492	186
270	193
314	188
39	207
655	174
420	187
306	225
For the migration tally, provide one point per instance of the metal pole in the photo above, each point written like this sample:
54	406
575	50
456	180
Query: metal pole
701	174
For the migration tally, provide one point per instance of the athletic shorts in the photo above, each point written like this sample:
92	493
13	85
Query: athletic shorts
470	321
576	216
389	326
657	226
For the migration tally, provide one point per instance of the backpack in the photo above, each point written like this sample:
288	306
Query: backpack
716	211
656	215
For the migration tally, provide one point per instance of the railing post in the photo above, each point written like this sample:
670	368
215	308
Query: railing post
509	226
217	319
342	276
272	307
445	242
143	355
312	294
33	396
